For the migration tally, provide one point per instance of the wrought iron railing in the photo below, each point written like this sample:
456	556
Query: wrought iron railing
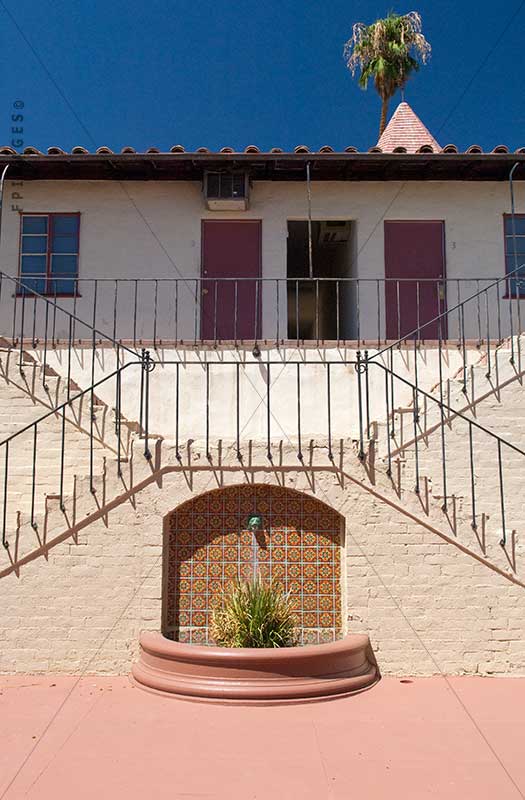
193	406
158	311
35	319
499	453
491	331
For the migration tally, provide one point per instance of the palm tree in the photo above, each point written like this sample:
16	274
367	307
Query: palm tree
388	52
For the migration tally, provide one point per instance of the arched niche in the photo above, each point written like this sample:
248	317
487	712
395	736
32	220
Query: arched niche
207	544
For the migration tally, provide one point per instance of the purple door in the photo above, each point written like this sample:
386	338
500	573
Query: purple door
230	286
415	271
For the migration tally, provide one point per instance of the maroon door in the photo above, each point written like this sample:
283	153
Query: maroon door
230	286
414	269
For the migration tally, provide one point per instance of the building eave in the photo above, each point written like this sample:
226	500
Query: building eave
265	166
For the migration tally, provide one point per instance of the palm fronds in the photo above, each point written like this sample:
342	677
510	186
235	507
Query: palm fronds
388	52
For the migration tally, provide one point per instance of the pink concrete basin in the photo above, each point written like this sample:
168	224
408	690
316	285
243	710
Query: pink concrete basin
255	675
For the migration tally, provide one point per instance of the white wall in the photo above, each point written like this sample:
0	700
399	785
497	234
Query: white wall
153	230
253	384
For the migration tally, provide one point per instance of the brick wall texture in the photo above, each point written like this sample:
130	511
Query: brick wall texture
434	595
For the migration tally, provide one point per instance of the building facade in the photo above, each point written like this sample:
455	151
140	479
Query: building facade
331	340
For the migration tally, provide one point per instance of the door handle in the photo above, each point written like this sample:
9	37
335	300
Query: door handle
205	291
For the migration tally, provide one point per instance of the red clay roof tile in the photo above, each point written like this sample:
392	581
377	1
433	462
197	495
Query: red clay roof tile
405	130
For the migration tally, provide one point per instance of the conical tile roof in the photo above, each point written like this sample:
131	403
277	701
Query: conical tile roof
405	130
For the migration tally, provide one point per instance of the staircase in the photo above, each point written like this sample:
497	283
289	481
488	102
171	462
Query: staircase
74	467
457	447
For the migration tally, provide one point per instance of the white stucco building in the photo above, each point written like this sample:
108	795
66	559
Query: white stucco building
397	237
330	338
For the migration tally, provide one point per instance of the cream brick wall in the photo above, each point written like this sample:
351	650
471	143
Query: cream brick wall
427	604
433	594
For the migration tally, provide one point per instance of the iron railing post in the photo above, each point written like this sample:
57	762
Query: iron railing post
361	453
4	512
147	366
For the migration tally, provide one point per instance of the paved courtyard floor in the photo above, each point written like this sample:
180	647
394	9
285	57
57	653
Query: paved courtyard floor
98	738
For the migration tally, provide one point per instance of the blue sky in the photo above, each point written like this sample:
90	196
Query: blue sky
205	73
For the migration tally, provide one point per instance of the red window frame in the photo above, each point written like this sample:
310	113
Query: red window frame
509	295
49	276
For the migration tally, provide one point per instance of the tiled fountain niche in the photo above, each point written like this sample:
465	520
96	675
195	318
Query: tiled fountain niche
207	544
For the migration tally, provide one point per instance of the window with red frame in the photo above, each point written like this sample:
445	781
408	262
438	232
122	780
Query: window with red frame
49	253
515	254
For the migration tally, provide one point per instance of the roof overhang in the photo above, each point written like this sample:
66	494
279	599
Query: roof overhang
266	166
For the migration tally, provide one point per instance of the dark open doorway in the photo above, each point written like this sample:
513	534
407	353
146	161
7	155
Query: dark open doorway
320	308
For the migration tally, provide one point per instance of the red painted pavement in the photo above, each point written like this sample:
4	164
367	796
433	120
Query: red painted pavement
100	738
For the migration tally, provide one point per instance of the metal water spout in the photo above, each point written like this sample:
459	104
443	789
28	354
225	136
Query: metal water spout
255	524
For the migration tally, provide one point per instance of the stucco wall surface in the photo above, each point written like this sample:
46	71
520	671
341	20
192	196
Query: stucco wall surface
153	230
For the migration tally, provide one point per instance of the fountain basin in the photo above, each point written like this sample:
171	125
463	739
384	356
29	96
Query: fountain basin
251	675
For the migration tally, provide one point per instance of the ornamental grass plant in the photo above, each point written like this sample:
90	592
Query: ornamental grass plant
254	614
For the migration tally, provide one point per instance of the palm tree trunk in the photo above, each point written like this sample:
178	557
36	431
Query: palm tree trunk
384	112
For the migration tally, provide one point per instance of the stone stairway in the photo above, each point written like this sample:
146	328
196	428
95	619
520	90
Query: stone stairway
461	483
493	396
448	514
27	396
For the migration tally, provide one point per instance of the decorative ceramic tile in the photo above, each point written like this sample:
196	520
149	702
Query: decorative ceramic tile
265	571
278	507
230	554
198	619
309	620
199	601
278	554
200	503
277	537
311	637
209	546
183	537
216	505
310	587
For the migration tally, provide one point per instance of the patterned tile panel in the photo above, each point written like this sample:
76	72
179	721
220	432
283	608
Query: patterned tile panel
208	545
